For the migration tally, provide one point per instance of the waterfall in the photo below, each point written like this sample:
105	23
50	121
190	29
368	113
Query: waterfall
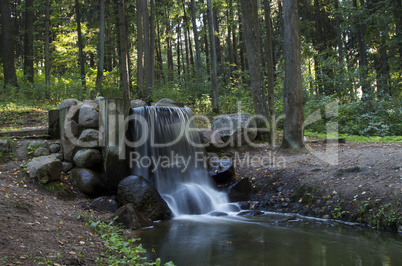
166	150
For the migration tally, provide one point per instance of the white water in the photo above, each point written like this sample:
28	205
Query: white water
172	160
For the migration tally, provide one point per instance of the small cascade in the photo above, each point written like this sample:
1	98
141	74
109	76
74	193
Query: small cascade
166	151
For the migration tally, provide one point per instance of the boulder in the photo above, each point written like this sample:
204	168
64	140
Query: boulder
89	138
88	117
41	151
221	170
137	103
88	182
210	139
45	169
131	218
137	190
98	99
66	166
240	190
71	129
5	145
87	158
236	129
104	203
68	149
54	148
67	103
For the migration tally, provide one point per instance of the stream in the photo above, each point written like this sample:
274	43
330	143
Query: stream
262	240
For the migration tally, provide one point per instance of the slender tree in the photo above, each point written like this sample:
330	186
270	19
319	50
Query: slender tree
101	49
254	57
214	77
270	71
10	76
147	48
80	44
293	131
28	41
123	51
47	44
198	61
140	50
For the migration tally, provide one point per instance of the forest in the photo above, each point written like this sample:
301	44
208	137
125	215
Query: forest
215	56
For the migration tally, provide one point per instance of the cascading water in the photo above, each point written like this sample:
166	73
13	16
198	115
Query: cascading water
167	152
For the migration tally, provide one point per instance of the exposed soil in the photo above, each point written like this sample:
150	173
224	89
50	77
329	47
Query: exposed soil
357	182
37	225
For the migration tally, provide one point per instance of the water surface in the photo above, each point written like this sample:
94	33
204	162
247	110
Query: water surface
233	240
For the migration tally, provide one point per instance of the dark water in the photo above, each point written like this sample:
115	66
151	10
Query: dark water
204	240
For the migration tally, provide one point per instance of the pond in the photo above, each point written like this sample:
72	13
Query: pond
267	240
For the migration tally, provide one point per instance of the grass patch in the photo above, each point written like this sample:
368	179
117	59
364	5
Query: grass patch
355	138
119	249
18	116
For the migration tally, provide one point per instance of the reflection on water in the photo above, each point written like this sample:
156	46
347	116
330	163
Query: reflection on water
204	240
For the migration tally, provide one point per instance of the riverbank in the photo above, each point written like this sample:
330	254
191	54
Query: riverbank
354	182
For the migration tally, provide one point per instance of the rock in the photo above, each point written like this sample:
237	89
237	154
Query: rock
89	138
137	103
341	172
57	156
54	148
71	129
98	99
131	218
5	145
240	190
104	203
217	213
88	182
236	129
41	151
137	190
221	170
87	158
67	103
66	166
165	102
210	139
250	213
88	117
45	169
68	149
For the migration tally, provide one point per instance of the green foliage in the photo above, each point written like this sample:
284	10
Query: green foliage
362	118
120	250
381	216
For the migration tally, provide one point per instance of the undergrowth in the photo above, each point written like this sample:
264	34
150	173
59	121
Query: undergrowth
119	249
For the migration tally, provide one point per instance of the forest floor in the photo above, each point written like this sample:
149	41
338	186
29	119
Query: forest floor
350	182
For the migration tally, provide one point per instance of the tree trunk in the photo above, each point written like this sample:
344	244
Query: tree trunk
360	33
47	40
152	43
28	41
214	77
293	130
80	44
178	33
140	51
270	72
101	49
338	32
123	51
217	42
147	48
169	48
10	76
252	36
196	38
